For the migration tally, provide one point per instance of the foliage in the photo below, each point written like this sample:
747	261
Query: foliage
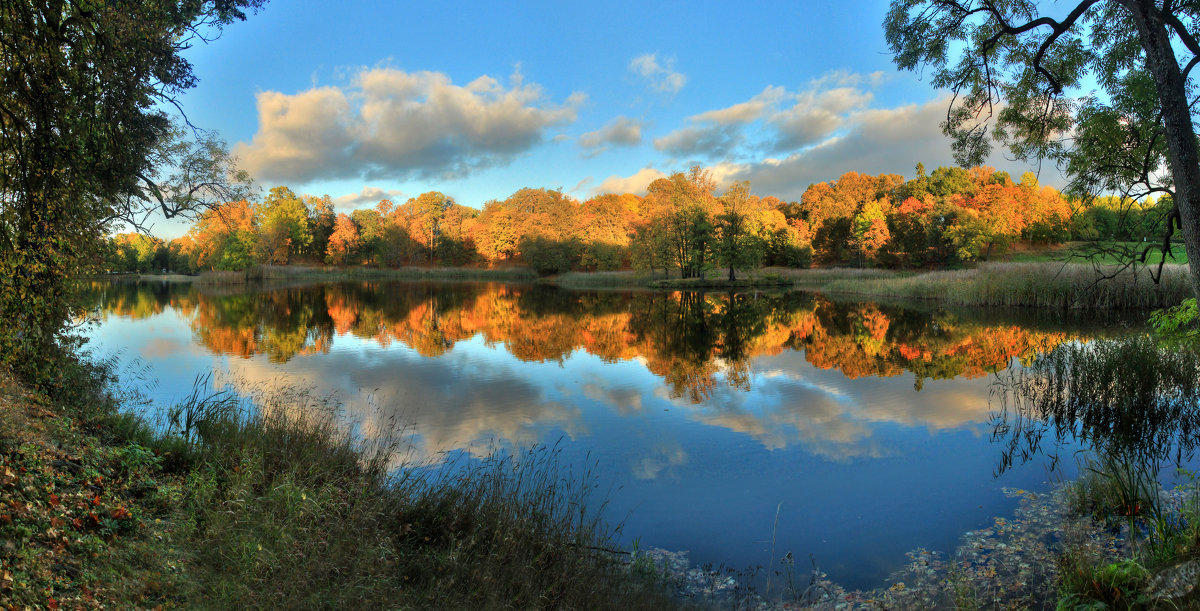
1177	323
1112	586
343	241
282	220
84	144
1021	72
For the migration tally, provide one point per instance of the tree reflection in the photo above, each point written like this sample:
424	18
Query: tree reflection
693	341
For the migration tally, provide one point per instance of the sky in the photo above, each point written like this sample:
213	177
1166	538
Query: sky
364	101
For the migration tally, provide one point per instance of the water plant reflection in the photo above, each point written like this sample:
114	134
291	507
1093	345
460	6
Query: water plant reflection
1126	397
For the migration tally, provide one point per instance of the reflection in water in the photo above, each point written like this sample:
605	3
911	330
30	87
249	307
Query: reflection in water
695	342
707	412
1124	397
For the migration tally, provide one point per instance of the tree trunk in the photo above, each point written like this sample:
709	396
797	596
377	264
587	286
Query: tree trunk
731	278
1180	132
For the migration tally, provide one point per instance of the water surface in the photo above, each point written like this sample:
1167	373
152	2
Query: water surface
720	424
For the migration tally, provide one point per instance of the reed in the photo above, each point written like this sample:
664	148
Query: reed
1044	285
298	272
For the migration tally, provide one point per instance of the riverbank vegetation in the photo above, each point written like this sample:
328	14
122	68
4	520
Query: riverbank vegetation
272	503
1043	285
1133	403
948	218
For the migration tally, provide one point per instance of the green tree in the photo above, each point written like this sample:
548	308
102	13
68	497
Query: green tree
321	219
870	231
283	226
683	206
735	246
84	143
1019	74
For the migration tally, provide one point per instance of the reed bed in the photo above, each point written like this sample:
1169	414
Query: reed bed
818	278
1044	285
299	272
221	277
626	278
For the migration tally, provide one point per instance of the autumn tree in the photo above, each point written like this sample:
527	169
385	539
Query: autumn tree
497	234
343	241
425	214
372	229
223	237
1019	76
870	231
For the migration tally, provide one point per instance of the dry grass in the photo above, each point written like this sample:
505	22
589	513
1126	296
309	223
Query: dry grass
1048	285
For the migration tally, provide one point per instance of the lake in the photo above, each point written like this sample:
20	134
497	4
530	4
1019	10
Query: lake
726	425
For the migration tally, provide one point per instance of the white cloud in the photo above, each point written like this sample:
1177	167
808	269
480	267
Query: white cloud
745	112
788	120
621	131
661	77
369	196
814	116
392	124
708	140
783	141
635	184
873	141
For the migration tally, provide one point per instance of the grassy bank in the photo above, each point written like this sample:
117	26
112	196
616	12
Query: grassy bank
272	504
1106	252
1048	285
1052	285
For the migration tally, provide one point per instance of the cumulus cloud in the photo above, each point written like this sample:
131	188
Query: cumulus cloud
782	141
814	116
876	141
369	196
711	140
635	184
744	112
789	120
660	76
622	131
391	124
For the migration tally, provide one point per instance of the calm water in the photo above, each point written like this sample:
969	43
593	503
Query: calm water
865	426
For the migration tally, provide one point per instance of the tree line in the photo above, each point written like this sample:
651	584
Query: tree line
683	224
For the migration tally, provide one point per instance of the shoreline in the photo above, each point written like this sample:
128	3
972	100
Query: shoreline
1045	285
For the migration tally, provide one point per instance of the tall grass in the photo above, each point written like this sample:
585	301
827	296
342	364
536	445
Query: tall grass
289	509
221	277
624	278
299	272
1048	285
818	278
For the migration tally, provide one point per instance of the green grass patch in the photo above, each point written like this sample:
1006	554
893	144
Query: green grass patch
1099	252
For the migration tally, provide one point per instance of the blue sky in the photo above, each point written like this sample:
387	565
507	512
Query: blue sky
364	101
